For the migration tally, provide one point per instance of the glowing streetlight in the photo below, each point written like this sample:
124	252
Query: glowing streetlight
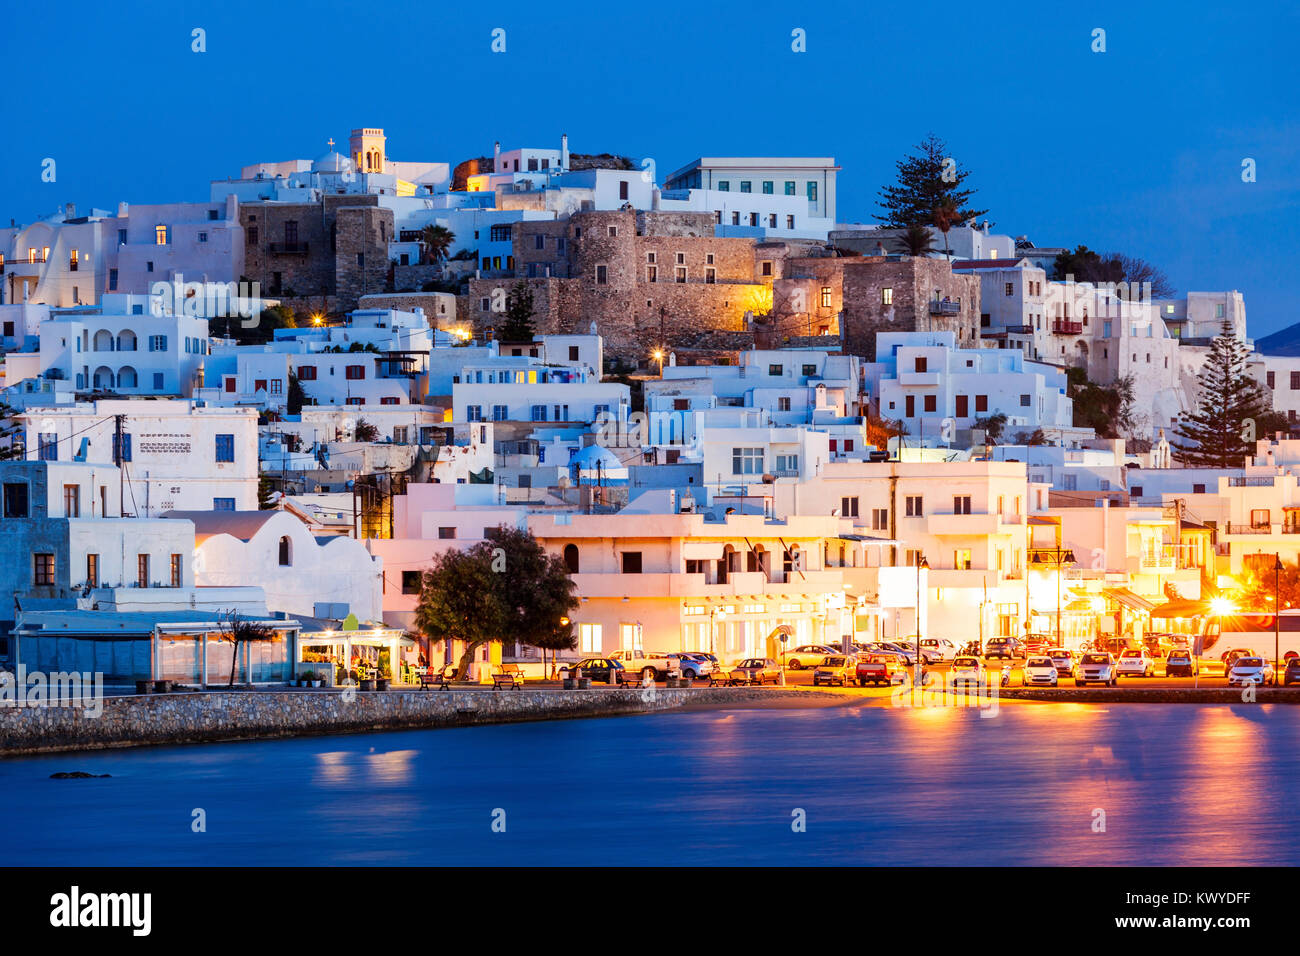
658	356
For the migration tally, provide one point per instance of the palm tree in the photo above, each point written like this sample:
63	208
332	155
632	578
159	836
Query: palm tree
436	240
946	215
916	240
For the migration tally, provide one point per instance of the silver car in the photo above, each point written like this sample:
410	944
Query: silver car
1095	667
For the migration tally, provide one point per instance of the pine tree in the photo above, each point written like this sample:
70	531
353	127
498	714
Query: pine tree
926	182
518	326
1232	410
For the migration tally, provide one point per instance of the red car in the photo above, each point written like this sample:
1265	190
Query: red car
880	669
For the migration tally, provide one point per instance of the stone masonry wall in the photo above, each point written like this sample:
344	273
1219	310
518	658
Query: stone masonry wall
201	717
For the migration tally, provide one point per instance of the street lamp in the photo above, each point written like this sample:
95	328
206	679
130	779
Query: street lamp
658	356
714	613
916	665
1277	612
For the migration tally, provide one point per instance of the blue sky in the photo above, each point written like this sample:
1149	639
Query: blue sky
1137	149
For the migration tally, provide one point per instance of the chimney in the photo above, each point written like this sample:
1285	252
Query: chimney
69	210
123	210
496	157
564	151
655	196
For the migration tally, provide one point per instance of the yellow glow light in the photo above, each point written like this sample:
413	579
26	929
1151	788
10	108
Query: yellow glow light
1222	607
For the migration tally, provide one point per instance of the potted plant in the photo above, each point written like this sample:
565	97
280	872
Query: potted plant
307	678
317	678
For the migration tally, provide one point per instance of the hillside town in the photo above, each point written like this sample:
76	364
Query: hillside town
295	419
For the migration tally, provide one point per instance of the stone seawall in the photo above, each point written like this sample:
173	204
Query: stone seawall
1150	695
241	715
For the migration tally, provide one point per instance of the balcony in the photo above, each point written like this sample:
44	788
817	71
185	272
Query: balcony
1161	559
288	248
1249	529
938	307
1019	329
921	379
1066	327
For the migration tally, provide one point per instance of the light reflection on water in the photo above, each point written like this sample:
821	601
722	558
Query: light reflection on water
1178	784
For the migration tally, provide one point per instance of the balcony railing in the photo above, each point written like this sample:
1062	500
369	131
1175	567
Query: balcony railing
288	248
1264	481
1250	529
938	307
1066	327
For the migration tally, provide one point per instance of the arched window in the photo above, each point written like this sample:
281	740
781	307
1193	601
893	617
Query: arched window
103	341
126	377
571	558
103	377
126	341
286	552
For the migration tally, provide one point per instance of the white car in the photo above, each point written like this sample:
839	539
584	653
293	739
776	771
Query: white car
1135	664
967	670
658	664
945	649
1040	671
1251	670
1063	659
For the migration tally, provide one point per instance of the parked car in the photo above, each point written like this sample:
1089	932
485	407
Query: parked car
694	665
1135	664
659	665
836	669
600	669
1180	663
893	648
1095	667
808	655
929	655
945	649
1292	673
967	669
1009	647
881	667
1039	671
1063	660
1251	670
1038	643
756	670
1229	657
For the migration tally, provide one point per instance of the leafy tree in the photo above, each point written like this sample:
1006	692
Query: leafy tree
916	240
926	180
536	591
365	431
263	330
1036	437
518	326
435	241
992	425
237	629
1106	409
1085	265
1258	584
459	601
1231	409
265	488
507	587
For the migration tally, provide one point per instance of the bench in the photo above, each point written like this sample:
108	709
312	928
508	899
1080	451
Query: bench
720	676
439	678
632	679
508	675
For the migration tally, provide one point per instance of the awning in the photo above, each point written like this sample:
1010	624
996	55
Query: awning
1129	599
1182	607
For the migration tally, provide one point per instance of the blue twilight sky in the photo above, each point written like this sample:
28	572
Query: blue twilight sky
1137	149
